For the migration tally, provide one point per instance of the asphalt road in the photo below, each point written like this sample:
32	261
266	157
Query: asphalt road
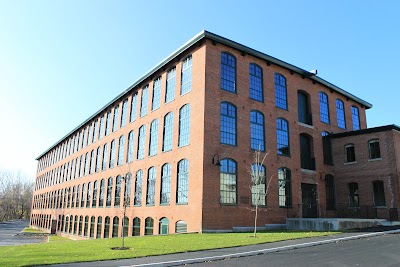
375	251
8	231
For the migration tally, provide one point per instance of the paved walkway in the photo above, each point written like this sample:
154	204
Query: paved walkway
226	253
9	229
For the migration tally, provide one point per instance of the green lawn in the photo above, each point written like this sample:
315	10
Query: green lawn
31	230
63	250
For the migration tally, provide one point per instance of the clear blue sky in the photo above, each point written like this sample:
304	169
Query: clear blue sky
61	61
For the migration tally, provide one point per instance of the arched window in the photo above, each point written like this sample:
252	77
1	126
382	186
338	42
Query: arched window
144	101
105	156
71	218
136	227
374	149
83	196
78	192
98	162
109	192
99	225
80	226
127	190
149	223
228	124
151	186
86	166
285	187
141	141
117	191
282	137
124	112
256	82
66	224
94	199
92	219
186	75
168	131
163	226
125	226
133	107
101	195
85	230
340	114
350	153
121	145
257	130
75	230
138	188
304	107
106	227
355	118
131	140
228	181
307	159
115	227
112	155
115	120
89	195
170	87
101	128
180	227
153	144
182	183
323	107
92	159
228	72
156	94
258	186
280	91
184	126
165	183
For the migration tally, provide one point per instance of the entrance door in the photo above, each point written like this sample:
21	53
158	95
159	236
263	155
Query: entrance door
53	227
309	197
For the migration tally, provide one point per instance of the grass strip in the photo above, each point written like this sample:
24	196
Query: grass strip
63	250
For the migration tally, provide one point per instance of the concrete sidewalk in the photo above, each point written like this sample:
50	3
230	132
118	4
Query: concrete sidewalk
225	253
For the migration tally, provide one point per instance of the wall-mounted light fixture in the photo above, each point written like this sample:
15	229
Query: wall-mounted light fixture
322	176
215	160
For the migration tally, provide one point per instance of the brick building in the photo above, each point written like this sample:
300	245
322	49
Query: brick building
174	150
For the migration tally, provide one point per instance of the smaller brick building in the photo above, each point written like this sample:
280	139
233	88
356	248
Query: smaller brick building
367	164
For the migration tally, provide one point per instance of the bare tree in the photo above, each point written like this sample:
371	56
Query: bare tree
259	184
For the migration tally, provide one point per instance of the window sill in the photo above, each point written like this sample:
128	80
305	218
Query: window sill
181	204
376	159
308	171
283	155
350	162
164	204
305	125
285	207
228	204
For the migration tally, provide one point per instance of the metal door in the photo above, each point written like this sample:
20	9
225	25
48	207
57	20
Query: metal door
309	197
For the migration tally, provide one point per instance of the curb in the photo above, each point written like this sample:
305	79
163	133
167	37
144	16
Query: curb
261	251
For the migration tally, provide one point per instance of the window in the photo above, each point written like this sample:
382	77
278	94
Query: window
117	191
280	91
92	226
327	148
136	227
133	108
112	155
330	192
374	150
94	199
184	126
285	187
350	153
83	196
89	195
180	227
149	222
108	123
282	137
186	75
109	192
144	101
92	159
355	118
98	162
340	114
182	183
228	72
99	224
105	155
256	82
106	227
78	193
120	159
353	195
228	180
258	187
141	141
156	94
168	131
85	230
165	183
170	88
101	195
127	190
306	152
228	124
86	166
153	144
138	188
304	109
257	131
323	107
124	112
379	194
80	226
151	186
125	226
131	140
101	127
163	226
95	131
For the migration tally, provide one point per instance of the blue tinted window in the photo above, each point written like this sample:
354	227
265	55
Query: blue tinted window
170	88
133	107
168	131
340	114
355	118
228	124
184	125
131	140
144	101
153	145
258	186
256	83
165	184
228	182
124	112
120	159
141	141
151	186
156	94
228	72
182	183
282	137
323	107
186	76
280	91
257	130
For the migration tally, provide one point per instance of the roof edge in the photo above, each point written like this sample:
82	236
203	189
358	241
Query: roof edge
383	128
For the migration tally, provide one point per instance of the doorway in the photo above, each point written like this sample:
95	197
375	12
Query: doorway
309	197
